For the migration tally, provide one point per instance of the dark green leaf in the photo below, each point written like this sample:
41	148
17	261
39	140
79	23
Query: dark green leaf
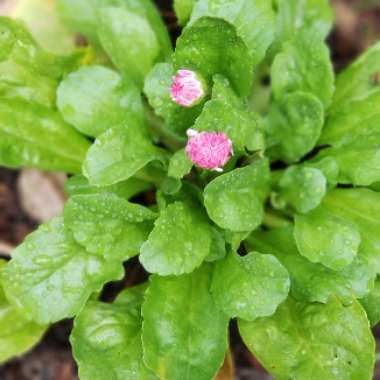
212	46
254	21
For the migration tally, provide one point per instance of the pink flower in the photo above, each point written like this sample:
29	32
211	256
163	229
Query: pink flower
209	150
187	88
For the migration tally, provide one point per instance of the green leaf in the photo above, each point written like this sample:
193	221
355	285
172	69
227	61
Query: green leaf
227	113
327	239
18	334
353	132
315	282
295	17
303	187
371	304
360	207
251	286
129	40
307	341
212	46
294	126
107	225
80	16
184	333
359	80
329	168
359	161
26	71
31	135
78	185
177	119
183	9
179	164
94	99
179	242
235	200
254	21
360	117
148	9
304	65
47	33
118	154
106	342
218	246
132	297
51	277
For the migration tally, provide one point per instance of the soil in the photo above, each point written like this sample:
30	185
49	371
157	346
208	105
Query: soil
358	26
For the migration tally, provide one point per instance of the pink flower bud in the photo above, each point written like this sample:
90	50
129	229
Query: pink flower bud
187	88
209	150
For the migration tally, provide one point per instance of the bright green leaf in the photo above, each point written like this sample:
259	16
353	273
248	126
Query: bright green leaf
31	135
235	200
298	16
129	40
304	65
303	187
94	99
107	225
179	164
177	119
106	342
371	304
254	21
212	46
51	277
183	9
184	333
251	286
315	282
179	242
307	341
18	334
78	185
325	238
227	113
118	154
358	80
294	126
